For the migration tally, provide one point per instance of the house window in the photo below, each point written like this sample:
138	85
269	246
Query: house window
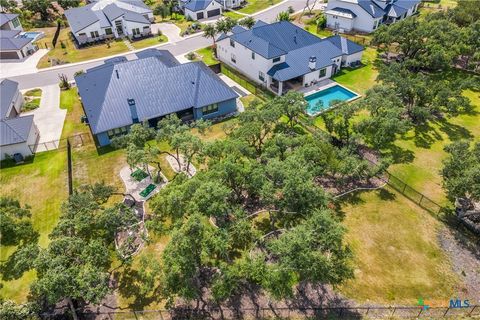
233	58
94	34
108	31
322	73
136	32
210	109
15	22
232	43
276	59
253	55
82	34
261	76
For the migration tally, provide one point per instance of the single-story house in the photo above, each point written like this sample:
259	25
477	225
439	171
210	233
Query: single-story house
120	93
107	19
12	44
282	56
367	15
18	134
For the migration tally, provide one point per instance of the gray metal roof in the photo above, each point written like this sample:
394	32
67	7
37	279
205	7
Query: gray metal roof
7	17
275	39
343	12
297	61
347	46
105	11
7	44
9	33
15	130
163	55
8	91
197	5
157	89
371	8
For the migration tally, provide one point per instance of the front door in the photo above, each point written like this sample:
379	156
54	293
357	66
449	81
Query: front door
119	27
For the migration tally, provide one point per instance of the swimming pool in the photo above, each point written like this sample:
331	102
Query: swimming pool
321	100
32	35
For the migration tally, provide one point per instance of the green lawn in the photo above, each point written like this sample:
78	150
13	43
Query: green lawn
397	255
70	53
33	93
30	104
233	15
206	55
257	5
149	42
420	153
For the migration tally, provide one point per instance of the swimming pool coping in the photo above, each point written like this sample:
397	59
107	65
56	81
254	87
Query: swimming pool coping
325	87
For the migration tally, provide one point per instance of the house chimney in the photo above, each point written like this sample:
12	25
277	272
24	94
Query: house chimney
312	62
133	110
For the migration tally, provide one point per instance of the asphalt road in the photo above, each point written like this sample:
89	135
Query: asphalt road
50	76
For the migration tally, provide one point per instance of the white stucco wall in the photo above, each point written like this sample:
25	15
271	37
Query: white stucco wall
22	148
315	76
91	28
245	64
347	59
363	21
343	23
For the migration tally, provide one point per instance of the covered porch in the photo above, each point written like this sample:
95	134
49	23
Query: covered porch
297	84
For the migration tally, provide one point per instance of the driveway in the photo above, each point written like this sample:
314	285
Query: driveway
12	68
169	29
49	118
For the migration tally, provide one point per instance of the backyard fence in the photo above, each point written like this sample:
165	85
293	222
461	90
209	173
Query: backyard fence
77	140
242	80
412	312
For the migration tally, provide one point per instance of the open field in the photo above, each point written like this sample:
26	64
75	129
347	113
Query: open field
397	255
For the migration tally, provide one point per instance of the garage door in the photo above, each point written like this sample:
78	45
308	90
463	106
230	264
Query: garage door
8	55
200	15
213	13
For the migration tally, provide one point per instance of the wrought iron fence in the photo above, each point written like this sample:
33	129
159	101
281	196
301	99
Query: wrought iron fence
242	80
77	140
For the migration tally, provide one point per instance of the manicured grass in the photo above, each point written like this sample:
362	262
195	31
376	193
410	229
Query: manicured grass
70	101
33	93
149	42
31	104
206	55
362	78
42	184
397	255
247	100
257	5
71	54
420	153
233	15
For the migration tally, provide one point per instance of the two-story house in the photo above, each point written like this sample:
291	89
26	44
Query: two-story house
203	9
13	44
106	19
367	15
281	56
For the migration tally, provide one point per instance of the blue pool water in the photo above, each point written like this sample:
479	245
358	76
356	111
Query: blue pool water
32	35
321	100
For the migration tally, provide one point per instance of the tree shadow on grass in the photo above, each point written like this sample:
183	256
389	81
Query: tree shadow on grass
453	131
425	136
130	286
386	195
398	154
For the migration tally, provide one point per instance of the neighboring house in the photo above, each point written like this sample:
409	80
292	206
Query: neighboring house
367	15
13	44
202	9
106	19
18	135
282	56
120	93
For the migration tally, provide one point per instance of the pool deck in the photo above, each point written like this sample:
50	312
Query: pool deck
323	85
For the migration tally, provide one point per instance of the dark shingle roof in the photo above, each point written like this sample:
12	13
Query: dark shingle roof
347	46
15	130
8	90
156	88
6	17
